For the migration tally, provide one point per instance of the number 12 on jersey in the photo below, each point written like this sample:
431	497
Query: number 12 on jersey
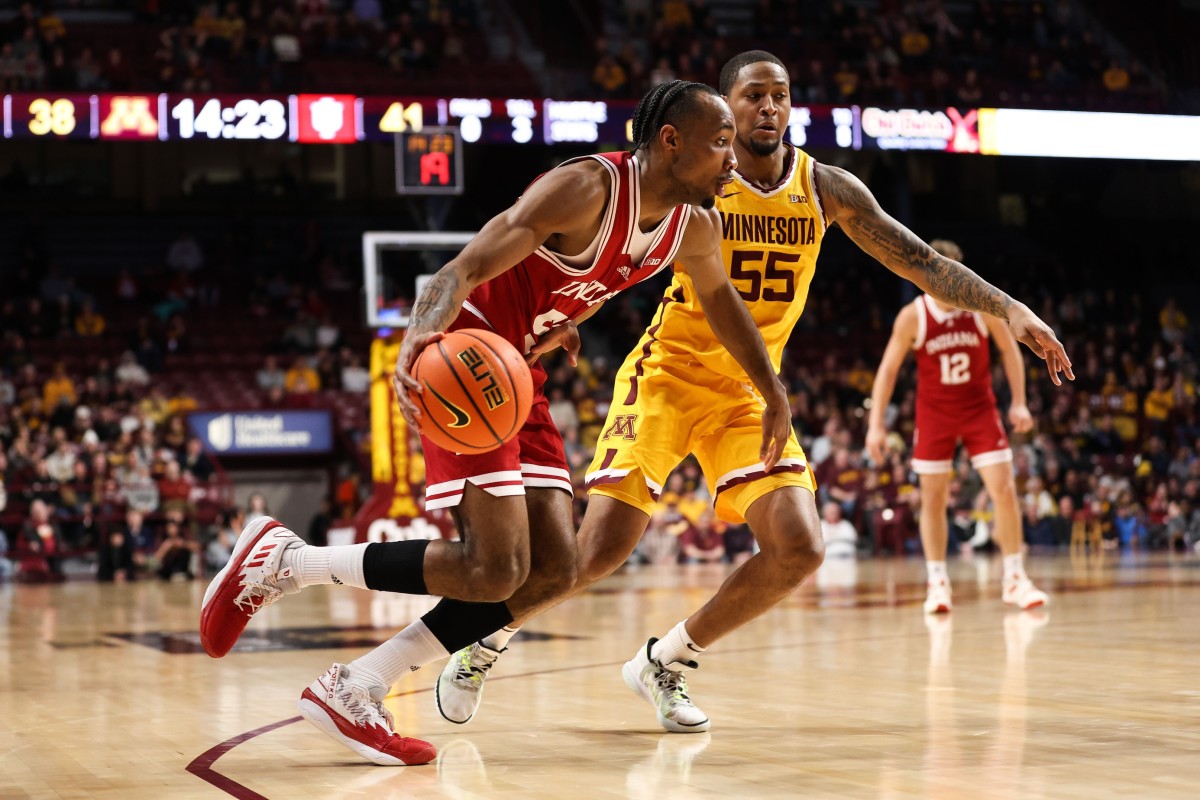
956	368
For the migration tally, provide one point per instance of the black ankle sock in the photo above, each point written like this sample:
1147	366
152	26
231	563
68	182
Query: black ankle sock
457	623
396	566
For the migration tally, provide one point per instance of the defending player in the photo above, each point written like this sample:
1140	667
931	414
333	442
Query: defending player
955	402
680	392
581	233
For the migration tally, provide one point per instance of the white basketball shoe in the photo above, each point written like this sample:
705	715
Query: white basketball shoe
937	597
251	581
664	686
1021	592
459	689
355	716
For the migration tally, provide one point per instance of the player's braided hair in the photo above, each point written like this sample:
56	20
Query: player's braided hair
664	104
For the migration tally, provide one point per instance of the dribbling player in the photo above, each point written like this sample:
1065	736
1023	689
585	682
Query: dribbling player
955	403
581	233
679	392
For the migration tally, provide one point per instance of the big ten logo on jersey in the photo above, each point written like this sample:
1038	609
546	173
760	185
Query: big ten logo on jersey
388	530
480	371
623	427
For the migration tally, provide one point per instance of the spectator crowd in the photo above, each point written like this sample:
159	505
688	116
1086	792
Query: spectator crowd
923	53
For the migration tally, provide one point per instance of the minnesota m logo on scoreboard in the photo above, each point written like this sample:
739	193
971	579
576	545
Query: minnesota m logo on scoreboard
623	427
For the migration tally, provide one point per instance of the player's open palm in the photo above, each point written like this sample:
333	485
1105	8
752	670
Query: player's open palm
1029	330
403	380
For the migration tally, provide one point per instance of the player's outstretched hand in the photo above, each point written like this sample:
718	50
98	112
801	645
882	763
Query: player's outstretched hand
876	439
403	380
777	428
1029	330
564	335
1020	418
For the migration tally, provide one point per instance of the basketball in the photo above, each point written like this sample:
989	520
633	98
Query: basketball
478	391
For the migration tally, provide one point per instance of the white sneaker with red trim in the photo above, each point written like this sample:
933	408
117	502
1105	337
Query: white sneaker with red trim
355	716
1023	594
250	582
937	598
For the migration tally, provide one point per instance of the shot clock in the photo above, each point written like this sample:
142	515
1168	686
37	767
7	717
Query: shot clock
429	162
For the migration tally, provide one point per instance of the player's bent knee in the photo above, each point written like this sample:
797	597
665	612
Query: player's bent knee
795	557
553	580
595	566
803	556
497	581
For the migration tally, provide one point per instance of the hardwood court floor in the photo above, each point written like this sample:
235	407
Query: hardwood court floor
846	691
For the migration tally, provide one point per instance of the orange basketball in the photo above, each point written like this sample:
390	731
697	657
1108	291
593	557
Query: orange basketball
478	391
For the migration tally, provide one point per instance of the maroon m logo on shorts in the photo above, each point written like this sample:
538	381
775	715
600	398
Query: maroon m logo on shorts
623	426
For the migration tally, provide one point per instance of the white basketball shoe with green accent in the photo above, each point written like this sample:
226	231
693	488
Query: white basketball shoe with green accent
459	688
664	686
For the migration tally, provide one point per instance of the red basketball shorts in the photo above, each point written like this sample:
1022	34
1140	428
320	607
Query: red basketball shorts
534	458
937	436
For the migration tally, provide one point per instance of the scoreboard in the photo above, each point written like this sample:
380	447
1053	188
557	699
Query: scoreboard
346	119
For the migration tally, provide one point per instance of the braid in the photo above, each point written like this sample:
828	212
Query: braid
651	112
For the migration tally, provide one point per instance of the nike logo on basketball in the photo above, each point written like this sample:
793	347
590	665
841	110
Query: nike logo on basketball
461	418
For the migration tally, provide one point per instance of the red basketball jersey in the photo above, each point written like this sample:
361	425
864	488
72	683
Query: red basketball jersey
954	369
543	290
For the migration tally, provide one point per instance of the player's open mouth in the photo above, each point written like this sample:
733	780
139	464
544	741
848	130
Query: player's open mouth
722	183
767	126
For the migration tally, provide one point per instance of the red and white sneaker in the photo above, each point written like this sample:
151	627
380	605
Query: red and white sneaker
251	581
937	598
1023	594
356	717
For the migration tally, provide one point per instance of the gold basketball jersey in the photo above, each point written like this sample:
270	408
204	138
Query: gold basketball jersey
771	238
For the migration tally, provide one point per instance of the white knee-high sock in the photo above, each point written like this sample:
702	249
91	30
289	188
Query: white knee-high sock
410	649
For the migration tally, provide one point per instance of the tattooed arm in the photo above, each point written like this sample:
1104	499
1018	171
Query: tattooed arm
566	202
851	205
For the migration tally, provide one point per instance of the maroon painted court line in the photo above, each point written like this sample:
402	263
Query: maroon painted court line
201	766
